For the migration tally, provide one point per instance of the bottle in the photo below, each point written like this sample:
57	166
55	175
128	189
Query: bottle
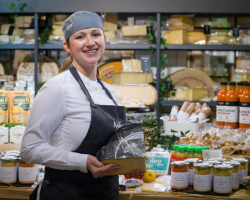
190	152
174	153
198	152
220	108
182	153
232	106
240	86
245	108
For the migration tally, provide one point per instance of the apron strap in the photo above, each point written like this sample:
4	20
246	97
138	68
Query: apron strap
107	91
75	74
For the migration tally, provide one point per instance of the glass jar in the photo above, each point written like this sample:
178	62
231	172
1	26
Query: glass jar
27	173
213	163
8	170
198	152
235	174
191	162
179	175
243	168
218	159
181	155
222	179
190	151
174	153
202	177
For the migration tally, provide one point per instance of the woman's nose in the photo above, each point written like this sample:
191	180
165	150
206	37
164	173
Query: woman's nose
89	41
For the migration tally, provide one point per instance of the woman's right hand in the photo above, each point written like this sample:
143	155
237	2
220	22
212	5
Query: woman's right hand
98	169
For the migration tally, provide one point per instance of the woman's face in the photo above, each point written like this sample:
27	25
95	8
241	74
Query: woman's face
87	46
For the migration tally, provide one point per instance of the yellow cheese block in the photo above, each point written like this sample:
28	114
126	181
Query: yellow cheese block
196	38
153	187
136	30
57	30
110	23
191	94
176	37
131	65
132	78
181	22
127	165
144	93
5	29
109	34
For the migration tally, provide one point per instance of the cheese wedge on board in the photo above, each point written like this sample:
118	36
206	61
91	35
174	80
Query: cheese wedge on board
127	165
132	78
136	30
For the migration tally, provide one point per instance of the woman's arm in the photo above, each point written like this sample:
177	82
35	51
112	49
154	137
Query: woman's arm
46	115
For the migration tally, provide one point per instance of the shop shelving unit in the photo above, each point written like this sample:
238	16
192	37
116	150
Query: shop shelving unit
151	7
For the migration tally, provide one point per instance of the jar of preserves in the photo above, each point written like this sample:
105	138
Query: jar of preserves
8	170
198	152
181	155
235	174
191	162
27	173
213	162
202	177
243	168
179	175
174	153
222	179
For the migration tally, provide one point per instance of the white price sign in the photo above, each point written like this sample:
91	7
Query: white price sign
214	153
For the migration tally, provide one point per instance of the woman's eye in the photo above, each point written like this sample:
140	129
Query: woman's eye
96	35
80	37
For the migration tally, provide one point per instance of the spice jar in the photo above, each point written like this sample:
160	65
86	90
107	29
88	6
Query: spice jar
202	177
191	162
243	168
235	174
179	175
222	179
8	170
27	172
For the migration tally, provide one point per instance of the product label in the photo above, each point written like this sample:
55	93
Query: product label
203	181
173	158
220	113
179	179
201	117
244	115
4	103
27	173
185	116
243	173
232	113
158	164
191	175
132	182
179	116
235	179
222	183
8	173
22	101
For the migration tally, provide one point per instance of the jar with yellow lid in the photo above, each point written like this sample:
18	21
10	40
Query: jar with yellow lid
202	177
235	174
8	170
191	162
222	179
27	173
243	168
198	152
179	175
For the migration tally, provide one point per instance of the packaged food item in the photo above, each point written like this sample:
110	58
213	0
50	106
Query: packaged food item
174	113
240	88
198	152
202	177
133	183
196	38
4	135
181	155
182	110
182	22
205	112
232	106
191	162
153	187
137	30
222	179
198	107
188	112
8	170
190	152
235	174
19	106
4	110
243	168
27	173
222	38
175	37
131	65
190	94
244	121
16	134
179	175
220	107
174	153
164	180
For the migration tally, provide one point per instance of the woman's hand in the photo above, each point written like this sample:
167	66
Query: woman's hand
98	169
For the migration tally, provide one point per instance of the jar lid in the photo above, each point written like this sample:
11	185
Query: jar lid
198	149
182	148
10	154
183	145
203	165
223	83
218	159
223	167
232	163
175	146
240	160
191	148
213	162
15	151
192	160
179	163
207	148
8	158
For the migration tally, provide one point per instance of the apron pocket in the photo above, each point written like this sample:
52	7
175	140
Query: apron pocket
105	191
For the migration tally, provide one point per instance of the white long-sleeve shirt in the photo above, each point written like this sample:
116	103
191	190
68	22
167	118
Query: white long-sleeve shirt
59	121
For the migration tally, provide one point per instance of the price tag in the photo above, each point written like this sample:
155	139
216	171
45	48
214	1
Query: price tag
18	41
131	21
236	32
207	30
145	63
214	153
28	77
29	31
237	77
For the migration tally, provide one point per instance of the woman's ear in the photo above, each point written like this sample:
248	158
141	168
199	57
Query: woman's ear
66	47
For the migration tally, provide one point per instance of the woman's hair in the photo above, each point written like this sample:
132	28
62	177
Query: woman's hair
68	61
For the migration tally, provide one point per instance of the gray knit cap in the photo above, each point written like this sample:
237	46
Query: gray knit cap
81	20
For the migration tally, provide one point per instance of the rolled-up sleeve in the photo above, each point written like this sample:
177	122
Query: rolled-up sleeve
46	115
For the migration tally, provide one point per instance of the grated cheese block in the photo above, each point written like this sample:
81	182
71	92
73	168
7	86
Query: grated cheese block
175	37
196	37
132	78
127	165
137	30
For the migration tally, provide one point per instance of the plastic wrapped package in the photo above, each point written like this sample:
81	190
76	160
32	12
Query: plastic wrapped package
222	38
176	37
183	22
125	148
196	38
245	40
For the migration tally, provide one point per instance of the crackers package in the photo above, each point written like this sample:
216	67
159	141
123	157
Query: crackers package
4	106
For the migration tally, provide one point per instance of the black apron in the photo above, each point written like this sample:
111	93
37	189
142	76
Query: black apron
76	185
